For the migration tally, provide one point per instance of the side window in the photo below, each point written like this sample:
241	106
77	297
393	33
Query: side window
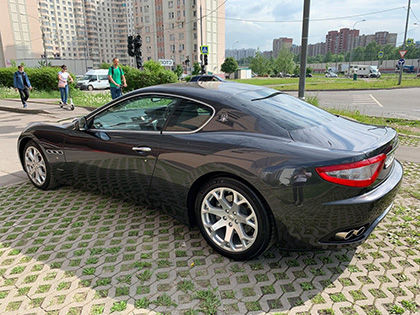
139	113
189	116
103	77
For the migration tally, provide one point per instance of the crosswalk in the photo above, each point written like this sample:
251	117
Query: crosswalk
365	99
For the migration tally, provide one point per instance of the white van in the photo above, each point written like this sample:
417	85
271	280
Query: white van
93	80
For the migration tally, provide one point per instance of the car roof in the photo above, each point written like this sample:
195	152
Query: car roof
205	91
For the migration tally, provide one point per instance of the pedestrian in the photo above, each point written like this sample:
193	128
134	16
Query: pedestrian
21	83
116	79
63	86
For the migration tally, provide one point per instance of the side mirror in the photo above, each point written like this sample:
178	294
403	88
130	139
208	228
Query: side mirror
82	124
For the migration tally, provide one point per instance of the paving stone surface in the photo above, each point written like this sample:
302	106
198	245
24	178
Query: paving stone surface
69	251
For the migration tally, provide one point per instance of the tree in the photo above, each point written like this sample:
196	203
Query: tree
229	66
104	65
196	68
284	61
259	64
178	70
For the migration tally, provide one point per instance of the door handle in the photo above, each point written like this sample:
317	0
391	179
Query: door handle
141	149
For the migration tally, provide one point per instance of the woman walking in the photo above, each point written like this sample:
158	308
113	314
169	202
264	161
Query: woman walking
63	77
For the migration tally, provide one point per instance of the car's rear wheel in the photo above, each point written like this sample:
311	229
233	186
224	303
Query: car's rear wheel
233	219
37	167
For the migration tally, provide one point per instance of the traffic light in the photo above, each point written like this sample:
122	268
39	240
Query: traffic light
206	61
130	46
137	44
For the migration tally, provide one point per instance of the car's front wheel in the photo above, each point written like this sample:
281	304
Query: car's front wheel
37	167
233	219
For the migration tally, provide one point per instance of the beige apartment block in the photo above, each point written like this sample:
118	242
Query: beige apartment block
86	29
175	30
20	34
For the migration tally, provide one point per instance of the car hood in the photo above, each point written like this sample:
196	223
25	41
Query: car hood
343	134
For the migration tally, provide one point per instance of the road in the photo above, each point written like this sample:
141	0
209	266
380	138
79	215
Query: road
395	103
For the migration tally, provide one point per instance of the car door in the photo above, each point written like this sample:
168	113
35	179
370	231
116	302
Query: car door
103	81
182	149
118	150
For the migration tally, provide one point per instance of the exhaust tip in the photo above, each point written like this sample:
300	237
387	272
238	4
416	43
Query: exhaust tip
359	231
344	235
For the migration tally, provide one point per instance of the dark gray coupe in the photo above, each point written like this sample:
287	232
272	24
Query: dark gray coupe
249	165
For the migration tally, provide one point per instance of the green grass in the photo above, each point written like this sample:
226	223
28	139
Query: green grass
319	82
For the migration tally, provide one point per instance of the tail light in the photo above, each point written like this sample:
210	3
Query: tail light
357	174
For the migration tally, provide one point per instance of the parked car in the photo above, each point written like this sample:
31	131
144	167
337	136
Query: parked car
94	80
206	77
249	165
330	74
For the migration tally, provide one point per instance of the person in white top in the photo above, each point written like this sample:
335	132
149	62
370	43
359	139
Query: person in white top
63	77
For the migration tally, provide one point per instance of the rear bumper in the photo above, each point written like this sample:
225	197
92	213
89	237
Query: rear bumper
322	222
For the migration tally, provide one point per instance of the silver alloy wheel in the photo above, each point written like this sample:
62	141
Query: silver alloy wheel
229	219
35	166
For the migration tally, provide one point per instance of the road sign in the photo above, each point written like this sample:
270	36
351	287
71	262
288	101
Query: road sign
402	53
409	42
380	54
204	50
166	62
401	62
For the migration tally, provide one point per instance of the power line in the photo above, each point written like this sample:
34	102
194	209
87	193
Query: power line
316	20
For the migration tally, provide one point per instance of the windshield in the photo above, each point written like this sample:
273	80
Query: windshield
88	77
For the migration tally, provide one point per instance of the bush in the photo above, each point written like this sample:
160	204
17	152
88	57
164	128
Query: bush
152	74
45	78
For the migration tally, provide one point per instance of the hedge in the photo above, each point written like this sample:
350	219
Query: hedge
45	78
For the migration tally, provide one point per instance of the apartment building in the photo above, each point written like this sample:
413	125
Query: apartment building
20	34
280	43
176	29
86	29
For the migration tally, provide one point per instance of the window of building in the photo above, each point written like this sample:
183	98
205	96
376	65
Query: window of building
171	15
170	4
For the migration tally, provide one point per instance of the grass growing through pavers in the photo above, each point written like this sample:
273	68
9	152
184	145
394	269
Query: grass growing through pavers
108	249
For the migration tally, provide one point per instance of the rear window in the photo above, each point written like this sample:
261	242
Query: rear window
285	111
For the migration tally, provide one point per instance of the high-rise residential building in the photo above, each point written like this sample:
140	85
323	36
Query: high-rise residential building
176	29
381	38
67	29
86	29
238	54
339	41
280	43
20	34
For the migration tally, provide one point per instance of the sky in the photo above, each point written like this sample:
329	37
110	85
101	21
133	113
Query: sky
254	24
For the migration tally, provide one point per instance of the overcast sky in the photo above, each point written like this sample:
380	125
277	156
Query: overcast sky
245	26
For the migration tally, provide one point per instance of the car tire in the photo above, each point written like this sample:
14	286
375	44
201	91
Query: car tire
244	226
90	88
37	167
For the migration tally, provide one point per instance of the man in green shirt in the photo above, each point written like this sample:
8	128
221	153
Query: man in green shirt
116	79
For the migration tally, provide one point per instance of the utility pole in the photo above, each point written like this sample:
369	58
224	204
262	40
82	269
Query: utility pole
304	51
203	68
405	38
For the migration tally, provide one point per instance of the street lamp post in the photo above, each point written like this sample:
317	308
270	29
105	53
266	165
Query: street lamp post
43	36
348	70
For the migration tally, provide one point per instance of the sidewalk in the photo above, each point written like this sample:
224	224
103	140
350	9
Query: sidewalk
41	106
